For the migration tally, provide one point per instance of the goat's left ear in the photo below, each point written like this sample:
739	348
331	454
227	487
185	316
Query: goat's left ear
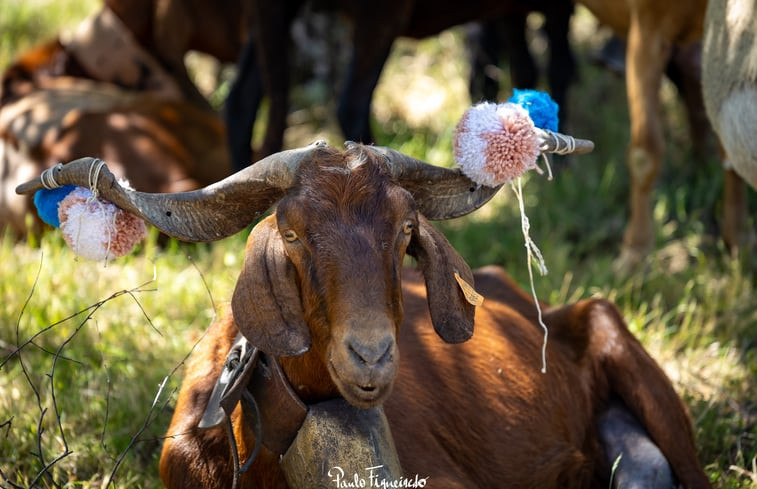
451	313
266	303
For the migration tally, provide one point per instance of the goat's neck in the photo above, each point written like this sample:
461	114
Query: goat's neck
309	377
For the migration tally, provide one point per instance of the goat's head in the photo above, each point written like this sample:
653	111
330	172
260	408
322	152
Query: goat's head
323	273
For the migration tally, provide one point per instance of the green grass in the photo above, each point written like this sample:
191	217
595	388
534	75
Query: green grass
693	304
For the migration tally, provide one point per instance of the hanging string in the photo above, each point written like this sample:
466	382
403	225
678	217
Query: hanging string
534	256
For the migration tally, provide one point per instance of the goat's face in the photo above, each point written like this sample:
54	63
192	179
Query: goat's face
324	275
346	230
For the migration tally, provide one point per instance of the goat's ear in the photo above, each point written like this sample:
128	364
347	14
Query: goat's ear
266	303
451	313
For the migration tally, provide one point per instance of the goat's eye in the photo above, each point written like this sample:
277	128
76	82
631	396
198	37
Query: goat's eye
290	236
407	228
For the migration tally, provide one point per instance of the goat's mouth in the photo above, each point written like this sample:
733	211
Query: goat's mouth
360	393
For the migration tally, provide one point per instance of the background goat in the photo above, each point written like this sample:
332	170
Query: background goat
374	29
729	81
117	88
321	290
651	30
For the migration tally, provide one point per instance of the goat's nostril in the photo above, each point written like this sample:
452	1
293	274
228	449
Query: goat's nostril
371	355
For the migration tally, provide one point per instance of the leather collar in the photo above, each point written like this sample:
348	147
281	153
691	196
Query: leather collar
281	410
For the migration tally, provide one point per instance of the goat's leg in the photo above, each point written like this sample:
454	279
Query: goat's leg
372	41
643	386
735	232
685	71
640	464
647	54
193	457
172	26
561	69
523	70
484	40
241	107
270	23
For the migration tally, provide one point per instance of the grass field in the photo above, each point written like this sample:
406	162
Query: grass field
90	393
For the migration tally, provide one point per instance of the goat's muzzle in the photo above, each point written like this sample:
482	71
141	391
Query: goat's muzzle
363	363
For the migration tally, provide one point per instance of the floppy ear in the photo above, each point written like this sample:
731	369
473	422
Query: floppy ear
451	313
266	302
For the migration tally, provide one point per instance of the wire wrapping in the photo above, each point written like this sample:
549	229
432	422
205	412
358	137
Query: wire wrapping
48	177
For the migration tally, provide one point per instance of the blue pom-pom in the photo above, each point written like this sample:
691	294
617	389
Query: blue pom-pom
46	202
540	106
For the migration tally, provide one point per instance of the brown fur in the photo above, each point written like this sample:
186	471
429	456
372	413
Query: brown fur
477	414
652	29
53	110
171	28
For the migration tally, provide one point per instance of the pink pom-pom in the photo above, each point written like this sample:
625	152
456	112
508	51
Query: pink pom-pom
495	143
95	228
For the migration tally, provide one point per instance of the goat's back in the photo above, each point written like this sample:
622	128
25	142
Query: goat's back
481	413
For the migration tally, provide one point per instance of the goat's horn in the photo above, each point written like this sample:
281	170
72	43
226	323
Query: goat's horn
555	142
443	193
207	214
440	193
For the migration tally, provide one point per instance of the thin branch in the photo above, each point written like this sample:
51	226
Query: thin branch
107	397
7	424
149	418
205	283
148	421
8	481
92	309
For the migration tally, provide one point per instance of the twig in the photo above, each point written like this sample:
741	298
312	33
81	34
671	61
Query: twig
145	425
6	480
93	308
107	398
149	419
205	283
58	355
7	424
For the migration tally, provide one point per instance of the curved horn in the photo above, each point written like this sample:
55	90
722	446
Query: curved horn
207	214
444	193
440	193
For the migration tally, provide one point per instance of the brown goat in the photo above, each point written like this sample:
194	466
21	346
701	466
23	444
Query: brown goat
115	89
171	28
323	290
652	29
374	29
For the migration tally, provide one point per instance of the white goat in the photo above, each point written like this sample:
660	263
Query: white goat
729	81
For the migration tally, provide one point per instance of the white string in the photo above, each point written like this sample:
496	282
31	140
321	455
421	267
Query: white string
48	178
533	256
547	164
563	144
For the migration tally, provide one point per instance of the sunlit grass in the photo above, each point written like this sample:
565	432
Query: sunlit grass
692	306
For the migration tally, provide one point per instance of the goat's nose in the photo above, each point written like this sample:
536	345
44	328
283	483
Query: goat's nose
371	354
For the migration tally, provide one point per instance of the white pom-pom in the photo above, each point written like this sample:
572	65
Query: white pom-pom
495	143
95	228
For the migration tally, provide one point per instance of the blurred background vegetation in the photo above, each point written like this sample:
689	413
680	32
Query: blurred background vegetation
693	305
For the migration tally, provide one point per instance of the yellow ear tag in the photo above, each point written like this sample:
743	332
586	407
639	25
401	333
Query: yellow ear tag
469	292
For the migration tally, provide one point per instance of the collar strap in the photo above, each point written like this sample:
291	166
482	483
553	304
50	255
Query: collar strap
281	411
